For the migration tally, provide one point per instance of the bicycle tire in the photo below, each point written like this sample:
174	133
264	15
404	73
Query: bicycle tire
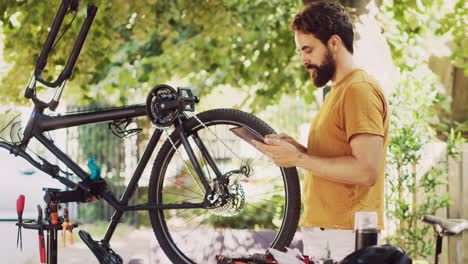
171	242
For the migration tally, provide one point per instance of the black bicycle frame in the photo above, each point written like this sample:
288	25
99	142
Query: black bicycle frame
39	123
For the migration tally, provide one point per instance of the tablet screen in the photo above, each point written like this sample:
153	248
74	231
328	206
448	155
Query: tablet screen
247	134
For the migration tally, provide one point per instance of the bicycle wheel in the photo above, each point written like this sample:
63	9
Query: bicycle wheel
257	208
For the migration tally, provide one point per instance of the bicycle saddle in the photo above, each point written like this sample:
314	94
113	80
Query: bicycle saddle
449	227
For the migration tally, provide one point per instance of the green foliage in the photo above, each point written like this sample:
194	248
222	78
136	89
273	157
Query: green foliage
410	28
456	23
414	30
455	142
135	45
411	105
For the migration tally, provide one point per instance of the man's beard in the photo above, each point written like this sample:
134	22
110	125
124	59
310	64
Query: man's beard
324	72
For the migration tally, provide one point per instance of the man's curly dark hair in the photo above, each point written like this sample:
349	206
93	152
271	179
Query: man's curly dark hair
325	19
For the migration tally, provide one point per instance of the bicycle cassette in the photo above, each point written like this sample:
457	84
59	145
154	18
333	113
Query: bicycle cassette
163	105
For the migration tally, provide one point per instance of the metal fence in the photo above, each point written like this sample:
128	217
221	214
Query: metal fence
116	157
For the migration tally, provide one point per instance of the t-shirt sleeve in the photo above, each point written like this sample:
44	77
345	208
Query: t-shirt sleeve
363	110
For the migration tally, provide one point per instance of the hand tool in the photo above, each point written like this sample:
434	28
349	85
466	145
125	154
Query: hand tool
19	209
67	226
42	249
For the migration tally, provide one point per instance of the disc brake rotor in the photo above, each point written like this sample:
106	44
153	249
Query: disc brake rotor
228	198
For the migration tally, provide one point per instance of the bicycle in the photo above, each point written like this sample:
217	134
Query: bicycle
388	254
198	180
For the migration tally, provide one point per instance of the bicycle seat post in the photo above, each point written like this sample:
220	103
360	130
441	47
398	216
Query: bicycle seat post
438	249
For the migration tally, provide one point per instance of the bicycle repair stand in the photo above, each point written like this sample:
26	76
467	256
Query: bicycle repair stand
51	224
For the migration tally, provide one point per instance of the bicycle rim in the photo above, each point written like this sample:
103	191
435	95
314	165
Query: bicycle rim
257	217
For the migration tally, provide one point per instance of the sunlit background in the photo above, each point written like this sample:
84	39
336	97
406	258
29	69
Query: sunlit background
241	55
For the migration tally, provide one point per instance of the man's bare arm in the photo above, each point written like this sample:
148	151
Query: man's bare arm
362	167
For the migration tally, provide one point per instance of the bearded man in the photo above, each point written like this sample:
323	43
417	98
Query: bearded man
345	155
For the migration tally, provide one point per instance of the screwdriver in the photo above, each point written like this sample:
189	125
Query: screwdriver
19	210
42	252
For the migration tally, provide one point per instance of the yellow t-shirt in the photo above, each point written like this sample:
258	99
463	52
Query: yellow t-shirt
354	105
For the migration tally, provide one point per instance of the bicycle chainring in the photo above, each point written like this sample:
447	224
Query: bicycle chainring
163	105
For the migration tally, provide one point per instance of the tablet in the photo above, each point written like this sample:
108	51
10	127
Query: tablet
247	134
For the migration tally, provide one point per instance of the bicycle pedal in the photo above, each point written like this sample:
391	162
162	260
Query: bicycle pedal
103	253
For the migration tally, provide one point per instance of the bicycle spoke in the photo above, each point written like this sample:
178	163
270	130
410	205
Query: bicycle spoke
255	240
180	211
186	188
181	201
209	145
199	223
205	260
278	191
204	163
262	210
268	201
178	194
272	179
225	139
229	227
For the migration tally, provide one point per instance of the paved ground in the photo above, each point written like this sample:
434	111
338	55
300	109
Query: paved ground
202	246
135	244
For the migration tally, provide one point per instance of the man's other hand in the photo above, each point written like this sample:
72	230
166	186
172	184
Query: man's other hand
289	139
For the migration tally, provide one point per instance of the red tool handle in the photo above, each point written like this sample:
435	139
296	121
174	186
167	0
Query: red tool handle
20	206
42	251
